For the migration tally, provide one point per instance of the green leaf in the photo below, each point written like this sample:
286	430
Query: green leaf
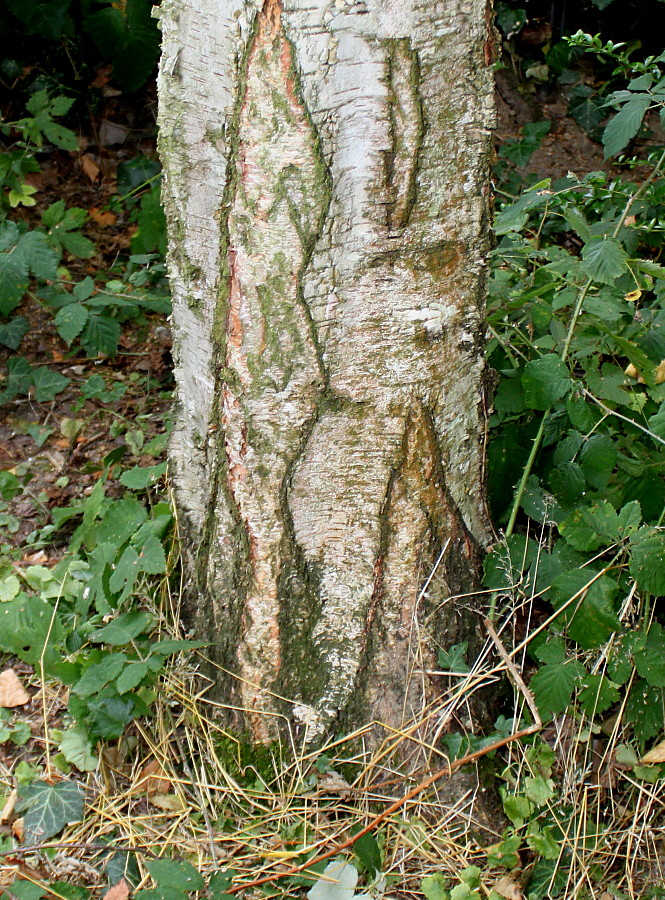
124	629
76	747
77	244
434	887
140	477
125	571
48	808
40	256
543	842
544	381
70	321
13	332
100	336
121	520
591	617
368	854
644	710
131	676
591	527
517	807
152	559
597	460
604	260
553	686
538	789
647	560
623	127
175	873
31	630
107	717
98	675
650	659
454	659
47	383
598	694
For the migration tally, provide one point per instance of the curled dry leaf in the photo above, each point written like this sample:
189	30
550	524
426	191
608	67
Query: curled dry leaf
12	692
119	891
507	887
18	830
152	779
8	808
655	755
659	375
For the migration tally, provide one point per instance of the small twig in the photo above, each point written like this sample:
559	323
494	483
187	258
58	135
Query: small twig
517	678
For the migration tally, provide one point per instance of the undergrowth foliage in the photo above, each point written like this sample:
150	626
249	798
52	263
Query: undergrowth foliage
577	337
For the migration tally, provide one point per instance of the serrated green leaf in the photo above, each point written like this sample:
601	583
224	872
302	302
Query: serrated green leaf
538	789
77	244
97	676
131	676
125	571
597	460
76	747
598	694
644	710
543	842
40	256
70	321
544	381
553	686
604	260
121	520
591	617
175	873
62	137
100	336
434	887
650	659
48	808
647	560
124	629
108	716
623	127
152	559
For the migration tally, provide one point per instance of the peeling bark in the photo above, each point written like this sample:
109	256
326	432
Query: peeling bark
325	169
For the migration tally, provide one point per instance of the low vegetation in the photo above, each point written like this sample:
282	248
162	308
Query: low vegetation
118	777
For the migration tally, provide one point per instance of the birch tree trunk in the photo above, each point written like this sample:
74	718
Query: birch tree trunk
325	182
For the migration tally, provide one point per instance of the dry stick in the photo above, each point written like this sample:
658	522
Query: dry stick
428	782
76	845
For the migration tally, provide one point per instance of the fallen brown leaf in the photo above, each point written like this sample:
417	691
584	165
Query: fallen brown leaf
152	779
655	755
17	830
507	887
8	808
12	692
102	217
90	167
119	891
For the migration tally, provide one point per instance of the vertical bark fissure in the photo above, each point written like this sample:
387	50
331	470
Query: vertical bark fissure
346	346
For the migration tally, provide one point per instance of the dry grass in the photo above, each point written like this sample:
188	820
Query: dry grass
177	786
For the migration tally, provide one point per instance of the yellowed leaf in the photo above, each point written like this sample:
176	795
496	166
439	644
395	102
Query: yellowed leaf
12	692
8	808
119	891
169	802
659	377
655	755
632	296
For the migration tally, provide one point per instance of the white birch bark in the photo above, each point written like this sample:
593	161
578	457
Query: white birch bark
325	172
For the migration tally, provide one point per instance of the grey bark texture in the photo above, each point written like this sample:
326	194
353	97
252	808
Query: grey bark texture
325	182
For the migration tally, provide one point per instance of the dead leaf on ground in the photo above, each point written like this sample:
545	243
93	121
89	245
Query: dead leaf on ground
152	779
12	692
90	167
102	217
655	755
507	887
169	802
18	830
8	808
119	891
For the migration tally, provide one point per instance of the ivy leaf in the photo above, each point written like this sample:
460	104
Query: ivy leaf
454	659
544	381
623	127
48	808
13	332
553	686
108	716
604	259
47	383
